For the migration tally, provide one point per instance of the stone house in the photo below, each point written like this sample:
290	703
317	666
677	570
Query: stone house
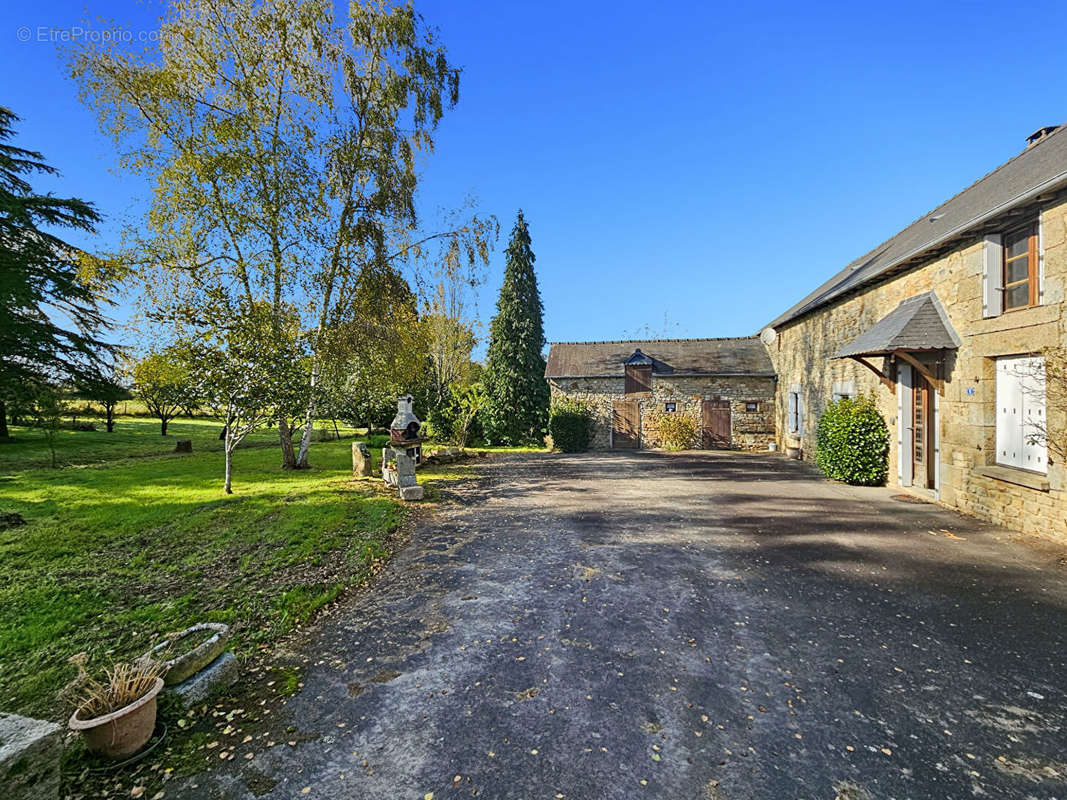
726	386
944	324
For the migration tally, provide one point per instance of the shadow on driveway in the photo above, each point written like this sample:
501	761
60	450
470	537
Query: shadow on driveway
698	625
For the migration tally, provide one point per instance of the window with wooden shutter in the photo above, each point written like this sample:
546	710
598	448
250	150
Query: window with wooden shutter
638	378
796	413
992	276
1020	388
1020	268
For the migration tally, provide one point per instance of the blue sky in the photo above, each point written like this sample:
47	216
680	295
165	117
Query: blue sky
709	162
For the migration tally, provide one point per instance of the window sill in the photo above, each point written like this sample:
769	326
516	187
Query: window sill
1019	477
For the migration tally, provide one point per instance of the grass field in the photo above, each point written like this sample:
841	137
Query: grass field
133	437
129	541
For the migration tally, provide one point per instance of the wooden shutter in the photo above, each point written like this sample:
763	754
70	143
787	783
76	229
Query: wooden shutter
992	276
1040	262
1021	413
638	379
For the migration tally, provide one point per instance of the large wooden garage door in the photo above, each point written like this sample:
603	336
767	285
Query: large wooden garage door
625	425
715	424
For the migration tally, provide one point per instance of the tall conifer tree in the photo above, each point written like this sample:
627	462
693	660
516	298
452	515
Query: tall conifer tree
517	393
50	318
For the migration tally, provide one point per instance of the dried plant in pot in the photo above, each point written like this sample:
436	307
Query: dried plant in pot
117	716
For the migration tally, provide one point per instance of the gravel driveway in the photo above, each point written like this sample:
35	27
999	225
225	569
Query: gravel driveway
713	626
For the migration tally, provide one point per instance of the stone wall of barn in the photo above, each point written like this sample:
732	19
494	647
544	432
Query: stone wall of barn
802	357
750	430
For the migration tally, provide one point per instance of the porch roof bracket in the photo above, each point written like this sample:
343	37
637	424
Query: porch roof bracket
923	370
886	382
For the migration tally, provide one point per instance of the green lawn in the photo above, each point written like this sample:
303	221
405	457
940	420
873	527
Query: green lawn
134	542
133	437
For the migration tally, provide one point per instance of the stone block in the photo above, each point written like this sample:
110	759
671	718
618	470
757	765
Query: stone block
29	758
362	463
412	492
216	676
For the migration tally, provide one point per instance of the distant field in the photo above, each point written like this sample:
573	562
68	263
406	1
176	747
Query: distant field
133	437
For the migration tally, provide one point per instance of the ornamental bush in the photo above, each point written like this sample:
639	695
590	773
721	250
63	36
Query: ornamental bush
568	425
674	430
852	442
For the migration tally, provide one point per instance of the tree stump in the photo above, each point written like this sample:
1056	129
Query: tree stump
361	460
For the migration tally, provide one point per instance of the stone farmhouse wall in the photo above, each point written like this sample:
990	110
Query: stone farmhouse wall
802	357
750	430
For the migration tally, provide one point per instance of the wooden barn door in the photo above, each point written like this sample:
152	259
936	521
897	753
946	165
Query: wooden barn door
715	424
625	425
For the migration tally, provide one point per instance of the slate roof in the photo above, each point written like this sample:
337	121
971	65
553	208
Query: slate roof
734	356
1037	170
918	323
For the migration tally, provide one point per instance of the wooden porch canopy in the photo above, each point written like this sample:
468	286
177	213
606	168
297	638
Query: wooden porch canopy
918	325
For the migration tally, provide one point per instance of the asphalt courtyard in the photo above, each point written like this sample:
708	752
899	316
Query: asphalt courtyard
713	626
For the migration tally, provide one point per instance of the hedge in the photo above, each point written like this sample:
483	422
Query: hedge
568	425
852	442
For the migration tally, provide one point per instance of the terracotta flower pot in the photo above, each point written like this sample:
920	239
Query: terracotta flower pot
120	733
215	635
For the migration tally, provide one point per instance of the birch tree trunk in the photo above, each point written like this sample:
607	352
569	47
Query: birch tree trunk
285	437
309	420
228	447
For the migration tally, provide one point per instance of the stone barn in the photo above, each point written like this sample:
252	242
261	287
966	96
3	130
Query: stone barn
727	386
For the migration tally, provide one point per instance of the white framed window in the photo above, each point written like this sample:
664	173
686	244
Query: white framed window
796	411
1013	269
843	389
1021	413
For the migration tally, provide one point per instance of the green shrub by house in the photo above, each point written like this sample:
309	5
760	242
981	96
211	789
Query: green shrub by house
568	424
674	430
852	442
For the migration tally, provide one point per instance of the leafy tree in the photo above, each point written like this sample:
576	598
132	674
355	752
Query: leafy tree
450	312
162	382
471	401
517	407
282	140
41	281
241	374
378	355
48	410
451	341
107	390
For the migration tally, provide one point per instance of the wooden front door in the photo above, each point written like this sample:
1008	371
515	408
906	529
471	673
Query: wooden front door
625	425
715	424
922	431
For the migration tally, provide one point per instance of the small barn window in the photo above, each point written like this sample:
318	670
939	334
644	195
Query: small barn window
638	378
669	406
752	405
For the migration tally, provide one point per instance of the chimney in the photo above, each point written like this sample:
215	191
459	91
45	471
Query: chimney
1041	133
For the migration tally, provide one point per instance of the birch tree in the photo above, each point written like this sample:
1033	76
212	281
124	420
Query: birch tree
240	372
282	143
